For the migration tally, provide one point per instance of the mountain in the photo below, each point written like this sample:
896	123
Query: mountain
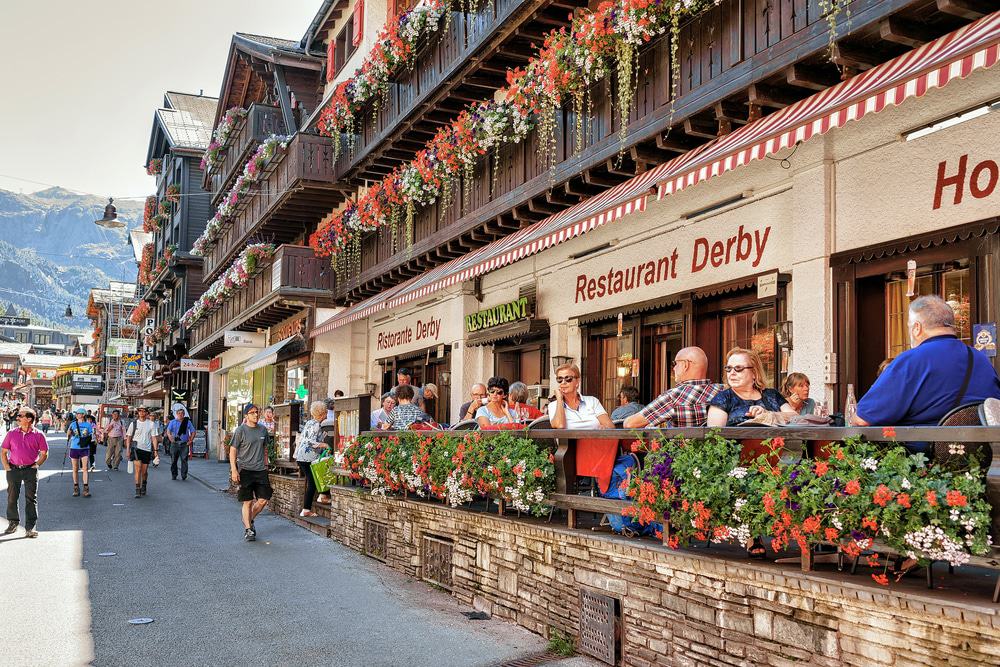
52	253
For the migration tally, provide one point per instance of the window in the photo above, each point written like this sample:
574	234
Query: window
952	282
342	48
753	330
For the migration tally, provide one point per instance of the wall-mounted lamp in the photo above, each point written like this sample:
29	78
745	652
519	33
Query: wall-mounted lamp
445	378
559	360
370	388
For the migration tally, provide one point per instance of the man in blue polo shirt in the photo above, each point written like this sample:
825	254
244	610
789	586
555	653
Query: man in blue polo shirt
936	375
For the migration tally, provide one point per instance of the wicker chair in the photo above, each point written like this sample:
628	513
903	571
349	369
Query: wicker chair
465	425
959	453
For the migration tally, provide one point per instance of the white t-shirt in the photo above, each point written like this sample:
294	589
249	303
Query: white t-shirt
585	417
142	433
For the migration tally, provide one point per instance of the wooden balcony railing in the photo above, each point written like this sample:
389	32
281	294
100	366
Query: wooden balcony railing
297	191
261	122
294	272
722	51
437	63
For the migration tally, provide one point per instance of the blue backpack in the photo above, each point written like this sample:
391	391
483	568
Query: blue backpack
622	524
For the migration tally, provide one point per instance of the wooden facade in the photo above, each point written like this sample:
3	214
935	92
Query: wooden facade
739	61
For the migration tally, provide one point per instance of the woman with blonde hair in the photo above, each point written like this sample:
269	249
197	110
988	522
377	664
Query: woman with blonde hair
795	389
570	409
307	450
747	395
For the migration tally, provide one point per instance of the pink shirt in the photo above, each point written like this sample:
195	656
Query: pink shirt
24	447
115	429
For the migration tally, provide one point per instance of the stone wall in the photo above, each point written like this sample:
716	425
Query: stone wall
288	494
677	608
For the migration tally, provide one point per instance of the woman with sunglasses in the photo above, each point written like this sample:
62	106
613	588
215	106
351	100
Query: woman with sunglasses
569	409
496	411
746	395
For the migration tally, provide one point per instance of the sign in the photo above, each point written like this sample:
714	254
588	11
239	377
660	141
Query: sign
953	181
131	363
120	346
86	384
301	392
244	339
148	351
195	365
215	364
44	374
6	321
767	286
289	328
984	338
424	327
512	311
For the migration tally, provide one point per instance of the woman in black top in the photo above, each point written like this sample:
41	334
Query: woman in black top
746	396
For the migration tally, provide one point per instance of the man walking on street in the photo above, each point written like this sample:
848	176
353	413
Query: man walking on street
248	468
140	442
81	439
180	433
114	436
24	450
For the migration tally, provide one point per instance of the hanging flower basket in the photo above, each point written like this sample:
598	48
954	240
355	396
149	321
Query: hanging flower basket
173	193
155	167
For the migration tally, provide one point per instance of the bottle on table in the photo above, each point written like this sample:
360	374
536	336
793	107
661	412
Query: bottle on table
850	406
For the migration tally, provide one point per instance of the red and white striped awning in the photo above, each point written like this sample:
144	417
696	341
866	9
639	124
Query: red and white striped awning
953	56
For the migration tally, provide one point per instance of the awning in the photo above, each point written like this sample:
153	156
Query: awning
523	329
267	356
953	56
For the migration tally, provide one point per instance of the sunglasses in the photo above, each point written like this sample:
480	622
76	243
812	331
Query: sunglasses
26	415
497	392
253	412
735	369
563	379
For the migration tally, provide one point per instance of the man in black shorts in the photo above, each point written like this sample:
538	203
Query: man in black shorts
248	468
141	441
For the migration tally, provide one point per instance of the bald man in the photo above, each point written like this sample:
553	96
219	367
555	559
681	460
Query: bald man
686	404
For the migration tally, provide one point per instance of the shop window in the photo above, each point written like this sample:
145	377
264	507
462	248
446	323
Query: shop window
294	379
238	393
660	345
753	330
263	386
616	368
527	365
952	283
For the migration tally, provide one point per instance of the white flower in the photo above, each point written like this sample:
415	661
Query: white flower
696	472
905	484
870	464
956	448
738	472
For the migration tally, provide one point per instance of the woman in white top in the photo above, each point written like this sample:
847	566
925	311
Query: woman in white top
568	409
496	411
307	449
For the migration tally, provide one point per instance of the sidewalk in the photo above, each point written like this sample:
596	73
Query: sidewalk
213	474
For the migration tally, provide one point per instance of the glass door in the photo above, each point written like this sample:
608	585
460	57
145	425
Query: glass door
660	345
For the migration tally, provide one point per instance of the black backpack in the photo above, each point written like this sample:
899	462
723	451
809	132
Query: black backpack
86	438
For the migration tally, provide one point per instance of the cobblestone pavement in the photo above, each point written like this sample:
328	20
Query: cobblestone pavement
289	598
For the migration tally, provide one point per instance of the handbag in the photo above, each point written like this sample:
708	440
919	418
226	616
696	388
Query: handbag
322	473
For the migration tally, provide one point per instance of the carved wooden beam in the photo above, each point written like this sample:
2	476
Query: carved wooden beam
901	31
701	127
766	96
846	56
967	9
810	78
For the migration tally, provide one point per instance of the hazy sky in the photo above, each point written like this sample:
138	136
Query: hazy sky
80	80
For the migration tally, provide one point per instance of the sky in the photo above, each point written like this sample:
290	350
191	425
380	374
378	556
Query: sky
80	81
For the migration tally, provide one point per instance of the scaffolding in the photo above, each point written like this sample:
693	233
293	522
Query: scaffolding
110	309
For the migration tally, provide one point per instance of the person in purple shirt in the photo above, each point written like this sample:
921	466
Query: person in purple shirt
938	374
23	451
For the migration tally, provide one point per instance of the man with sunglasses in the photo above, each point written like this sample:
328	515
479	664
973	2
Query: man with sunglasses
23	451
685	405
248	468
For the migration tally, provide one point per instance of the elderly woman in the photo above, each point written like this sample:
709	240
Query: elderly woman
307	450
747	396
518	398
381	416
795	389
496	411
569	409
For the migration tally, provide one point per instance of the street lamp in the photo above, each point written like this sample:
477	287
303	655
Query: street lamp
110	219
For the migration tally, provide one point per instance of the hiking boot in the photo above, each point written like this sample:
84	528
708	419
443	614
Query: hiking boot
76	490
31	532
86	490
249	536
11	527
137	494
143	489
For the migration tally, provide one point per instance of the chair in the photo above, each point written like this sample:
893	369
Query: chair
970	414
466	425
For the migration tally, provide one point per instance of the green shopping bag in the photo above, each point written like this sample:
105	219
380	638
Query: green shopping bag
322	472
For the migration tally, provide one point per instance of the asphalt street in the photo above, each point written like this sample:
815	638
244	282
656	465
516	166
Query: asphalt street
179	558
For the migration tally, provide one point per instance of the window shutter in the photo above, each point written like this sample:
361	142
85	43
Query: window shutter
359	22
390	10
331	55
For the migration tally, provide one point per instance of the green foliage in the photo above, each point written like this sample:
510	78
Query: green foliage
560	644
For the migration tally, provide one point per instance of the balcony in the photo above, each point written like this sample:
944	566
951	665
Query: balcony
294	279
441	76
261	122
739	61
298	190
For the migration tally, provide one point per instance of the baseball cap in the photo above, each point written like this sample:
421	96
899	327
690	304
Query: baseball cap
79	411
249	407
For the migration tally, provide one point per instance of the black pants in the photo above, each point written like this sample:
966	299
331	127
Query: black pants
179	451
305	470
30	478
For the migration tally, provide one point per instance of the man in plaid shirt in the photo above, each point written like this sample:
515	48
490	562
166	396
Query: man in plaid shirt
686	405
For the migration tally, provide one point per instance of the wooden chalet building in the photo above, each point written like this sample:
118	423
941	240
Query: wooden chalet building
175	216
740	63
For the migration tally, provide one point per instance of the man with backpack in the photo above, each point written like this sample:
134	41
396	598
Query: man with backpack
81	440
140	443
180	433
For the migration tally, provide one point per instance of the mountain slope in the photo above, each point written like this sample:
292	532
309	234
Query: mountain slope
52	253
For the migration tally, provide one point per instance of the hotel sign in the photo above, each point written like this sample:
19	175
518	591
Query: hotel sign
505	313
6	321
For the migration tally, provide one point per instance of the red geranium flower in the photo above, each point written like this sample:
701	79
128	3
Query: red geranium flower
881	579
852	488
821	468
903	499
932	499
889	432
882	495
956	499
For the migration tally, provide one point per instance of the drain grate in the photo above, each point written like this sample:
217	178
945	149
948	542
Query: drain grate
532	660
599	626
376	537
437	561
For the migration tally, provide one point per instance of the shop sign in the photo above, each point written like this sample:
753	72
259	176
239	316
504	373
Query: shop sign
767	286
984	338
44	374
955	180
131	363
215	364
119	346
244	339
505	313
428	330
195	365
289	328
86	384
745	247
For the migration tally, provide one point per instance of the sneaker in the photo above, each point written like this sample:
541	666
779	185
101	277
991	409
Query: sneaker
76	490
137	494
31	532
249	535
11	527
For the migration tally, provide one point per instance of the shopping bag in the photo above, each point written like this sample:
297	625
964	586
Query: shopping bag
321	470
131	467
